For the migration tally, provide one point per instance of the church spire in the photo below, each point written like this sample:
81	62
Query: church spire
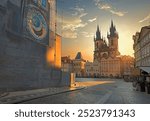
98	33
112	24
112	29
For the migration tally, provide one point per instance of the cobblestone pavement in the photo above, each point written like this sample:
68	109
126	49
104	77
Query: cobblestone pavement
98	91
23	96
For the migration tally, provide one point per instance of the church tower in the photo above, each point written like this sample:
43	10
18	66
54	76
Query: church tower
97	43
100	45
113	40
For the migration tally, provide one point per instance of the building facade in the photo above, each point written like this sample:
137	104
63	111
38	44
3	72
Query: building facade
92	69
28	44
142	59
66	64
136	47
110	67
76	66
142	47
127	67
106	53
104	49
79	65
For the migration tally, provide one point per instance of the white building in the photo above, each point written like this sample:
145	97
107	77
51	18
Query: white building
92	69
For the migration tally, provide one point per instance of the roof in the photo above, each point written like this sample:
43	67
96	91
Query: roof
144	31
66	59
146	69
79	56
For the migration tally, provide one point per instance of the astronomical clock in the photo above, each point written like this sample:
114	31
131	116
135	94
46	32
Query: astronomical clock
36	21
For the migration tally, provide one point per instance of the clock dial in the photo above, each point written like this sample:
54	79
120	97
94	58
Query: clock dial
36	24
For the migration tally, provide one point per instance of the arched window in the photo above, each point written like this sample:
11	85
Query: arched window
97	45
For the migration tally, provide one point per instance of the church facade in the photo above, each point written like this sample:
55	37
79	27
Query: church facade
107	53
104	49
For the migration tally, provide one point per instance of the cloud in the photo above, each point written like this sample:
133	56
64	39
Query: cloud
77	8
70	27
118	13
69	34
73	26
105	7
145	19
77	11
87	34
70	24
109	8
83	14
92	20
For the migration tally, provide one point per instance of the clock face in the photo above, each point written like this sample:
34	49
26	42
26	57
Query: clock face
36	24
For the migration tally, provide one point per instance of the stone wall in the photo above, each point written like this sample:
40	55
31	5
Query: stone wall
23	63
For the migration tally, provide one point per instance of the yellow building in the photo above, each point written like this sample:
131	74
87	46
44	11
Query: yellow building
58	52
53	55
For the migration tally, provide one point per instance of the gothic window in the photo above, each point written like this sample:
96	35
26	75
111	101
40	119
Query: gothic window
96	45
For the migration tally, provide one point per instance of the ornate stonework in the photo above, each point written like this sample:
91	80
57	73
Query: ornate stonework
36	24
104	49
36	20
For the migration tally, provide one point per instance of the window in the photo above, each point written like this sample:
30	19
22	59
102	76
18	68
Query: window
97	45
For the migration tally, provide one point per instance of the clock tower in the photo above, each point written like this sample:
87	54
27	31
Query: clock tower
113	40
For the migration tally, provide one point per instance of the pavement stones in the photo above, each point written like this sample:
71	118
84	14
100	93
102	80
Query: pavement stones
23	96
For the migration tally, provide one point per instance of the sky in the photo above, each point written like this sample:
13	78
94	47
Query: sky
77	22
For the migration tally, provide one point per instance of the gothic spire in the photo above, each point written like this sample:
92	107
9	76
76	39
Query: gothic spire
98	33
112	26
112	29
